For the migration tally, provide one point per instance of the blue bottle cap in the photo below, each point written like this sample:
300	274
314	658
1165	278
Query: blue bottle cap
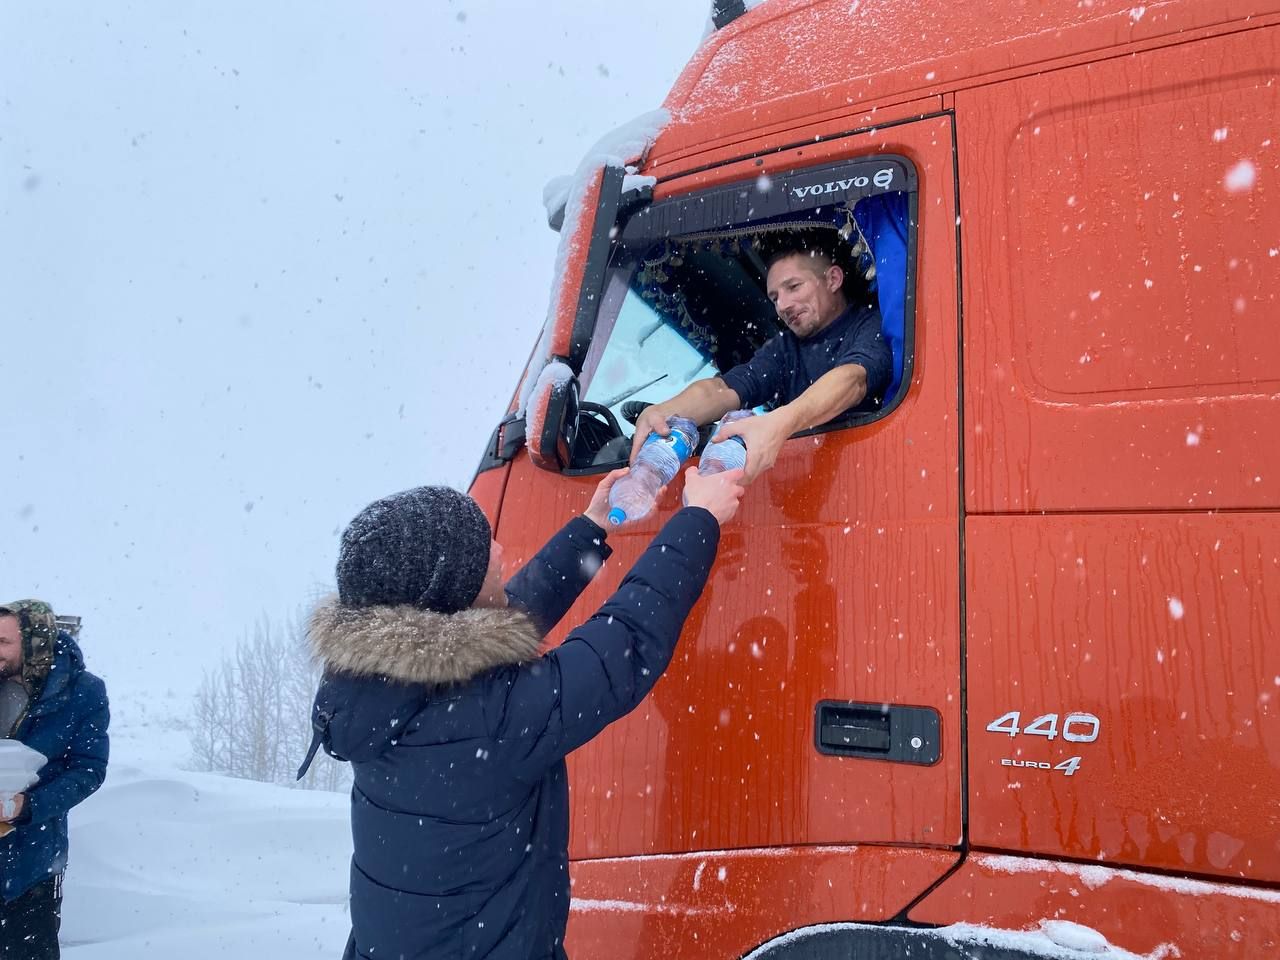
616	516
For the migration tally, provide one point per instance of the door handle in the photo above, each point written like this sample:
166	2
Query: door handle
847	729
878	731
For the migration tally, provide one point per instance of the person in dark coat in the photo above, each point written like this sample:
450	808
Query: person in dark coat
457	728
53	705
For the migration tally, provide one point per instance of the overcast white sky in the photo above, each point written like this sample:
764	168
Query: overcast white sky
262	263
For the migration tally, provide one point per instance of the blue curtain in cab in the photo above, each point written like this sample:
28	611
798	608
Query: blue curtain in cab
883	221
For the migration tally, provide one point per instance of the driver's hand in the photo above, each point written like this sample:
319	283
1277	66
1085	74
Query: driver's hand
652	420
764	436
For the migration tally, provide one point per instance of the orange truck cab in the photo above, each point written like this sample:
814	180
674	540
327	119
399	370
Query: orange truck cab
994	670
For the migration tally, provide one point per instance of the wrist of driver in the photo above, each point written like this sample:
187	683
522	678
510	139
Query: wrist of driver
791	417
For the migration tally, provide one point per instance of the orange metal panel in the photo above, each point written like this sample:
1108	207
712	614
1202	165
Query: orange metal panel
838	580
724	903
794	61
816	132
1163	627
818	149
571	267
1121	240
1146	914
487	489
574	249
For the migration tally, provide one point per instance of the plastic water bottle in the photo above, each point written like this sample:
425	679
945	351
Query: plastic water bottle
656	464
727	454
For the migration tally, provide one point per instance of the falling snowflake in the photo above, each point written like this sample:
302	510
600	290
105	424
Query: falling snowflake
1240	178
1175	608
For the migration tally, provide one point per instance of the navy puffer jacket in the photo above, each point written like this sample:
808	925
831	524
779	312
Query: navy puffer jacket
457	732
67	723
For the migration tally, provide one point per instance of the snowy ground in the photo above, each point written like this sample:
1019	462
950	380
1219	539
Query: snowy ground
169	863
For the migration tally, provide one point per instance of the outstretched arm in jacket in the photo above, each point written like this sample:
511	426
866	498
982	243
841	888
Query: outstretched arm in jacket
606	666
547	586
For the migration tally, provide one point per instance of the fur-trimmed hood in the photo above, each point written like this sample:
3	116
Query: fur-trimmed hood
410	645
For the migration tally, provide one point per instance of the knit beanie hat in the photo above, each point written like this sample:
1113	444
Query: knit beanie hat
427	547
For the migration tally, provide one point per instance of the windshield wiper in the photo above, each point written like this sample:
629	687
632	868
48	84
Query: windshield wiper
632	391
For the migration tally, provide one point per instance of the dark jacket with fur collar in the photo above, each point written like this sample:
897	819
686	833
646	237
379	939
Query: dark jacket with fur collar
457	731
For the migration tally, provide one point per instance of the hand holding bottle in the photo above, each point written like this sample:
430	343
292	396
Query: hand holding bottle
763	436
598	510
717	493
721	455
651	422
633	496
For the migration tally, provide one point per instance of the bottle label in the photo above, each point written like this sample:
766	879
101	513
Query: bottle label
676	441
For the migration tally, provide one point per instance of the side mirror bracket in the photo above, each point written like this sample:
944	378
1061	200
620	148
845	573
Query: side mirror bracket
504	443
551	421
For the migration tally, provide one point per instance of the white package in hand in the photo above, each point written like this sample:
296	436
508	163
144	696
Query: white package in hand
19	766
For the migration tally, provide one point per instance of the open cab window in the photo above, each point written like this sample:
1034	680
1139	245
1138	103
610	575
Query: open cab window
684	293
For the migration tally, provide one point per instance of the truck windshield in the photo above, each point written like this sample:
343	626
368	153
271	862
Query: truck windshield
647	358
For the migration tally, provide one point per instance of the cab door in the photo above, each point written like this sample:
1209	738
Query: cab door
831	618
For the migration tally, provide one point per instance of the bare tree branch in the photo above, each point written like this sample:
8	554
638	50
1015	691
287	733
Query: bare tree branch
252	713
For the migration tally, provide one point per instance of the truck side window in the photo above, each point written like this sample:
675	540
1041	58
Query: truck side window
688	306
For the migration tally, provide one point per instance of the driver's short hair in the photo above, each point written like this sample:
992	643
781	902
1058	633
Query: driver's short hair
825	247
811	243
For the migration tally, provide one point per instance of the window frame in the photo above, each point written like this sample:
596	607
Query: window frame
736	207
